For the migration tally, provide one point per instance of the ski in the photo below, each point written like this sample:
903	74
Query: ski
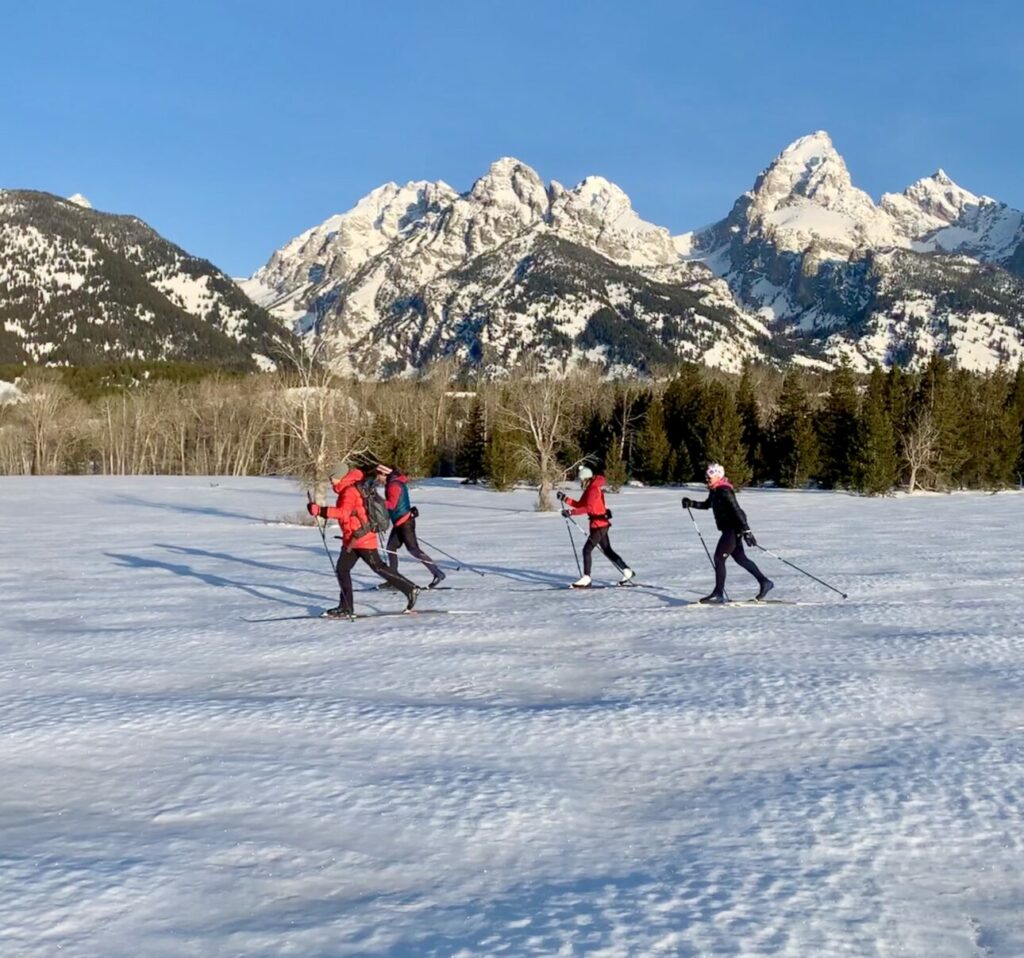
744	602
367	615
411	614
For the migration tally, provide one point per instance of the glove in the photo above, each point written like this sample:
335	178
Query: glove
315	509
414	512
687	503
566	513
748	538
560	496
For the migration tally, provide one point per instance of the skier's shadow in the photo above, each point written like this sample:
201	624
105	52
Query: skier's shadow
139	562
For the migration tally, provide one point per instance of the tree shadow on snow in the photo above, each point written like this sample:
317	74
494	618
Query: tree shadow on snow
126	500
138	562
252	563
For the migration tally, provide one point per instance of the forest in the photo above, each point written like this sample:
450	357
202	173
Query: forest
941	428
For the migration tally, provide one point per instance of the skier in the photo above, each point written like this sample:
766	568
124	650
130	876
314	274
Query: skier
359	541
591	504
403	523
732	523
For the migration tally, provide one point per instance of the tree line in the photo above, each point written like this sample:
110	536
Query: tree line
941	428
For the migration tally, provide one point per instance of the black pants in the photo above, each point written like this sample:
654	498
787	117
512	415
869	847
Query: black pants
599	538
372	558
730	544
405	535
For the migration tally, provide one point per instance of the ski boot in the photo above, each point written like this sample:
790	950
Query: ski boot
627	574
583	582
386	587
338	612
412	597
713	598
437	580
766	586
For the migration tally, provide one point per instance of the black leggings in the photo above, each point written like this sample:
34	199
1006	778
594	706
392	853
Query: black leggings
730	544
599	538
372	558
405	535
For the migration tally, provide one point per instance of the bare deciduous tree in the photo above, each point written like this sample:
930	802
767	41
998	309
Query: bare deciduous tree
921	450
540	416
318	420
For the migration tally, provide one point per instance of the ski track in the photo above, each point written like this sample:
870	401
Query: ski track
604	773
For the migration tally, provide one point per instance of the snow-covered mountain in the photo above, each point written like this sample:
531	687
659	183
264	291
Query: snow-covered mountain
512	268
78	287
806	267
933	268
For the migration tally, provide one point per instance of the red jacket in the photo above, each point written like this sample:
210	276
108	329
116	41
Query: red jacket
350	512
591	503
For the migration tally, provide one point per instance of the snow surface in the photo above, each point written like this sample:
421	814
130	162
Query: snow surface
605	773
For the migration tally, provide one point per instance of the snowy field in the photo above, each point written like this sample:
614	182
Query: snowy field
613	773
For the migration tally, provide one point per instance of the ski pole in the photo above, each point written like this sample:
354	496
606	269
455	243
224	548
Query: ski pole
707	551
458	562
803	571
459	566
323	533
568	528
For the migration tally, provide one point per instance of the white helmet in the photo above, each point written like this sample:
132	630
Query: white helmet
714	472
585	473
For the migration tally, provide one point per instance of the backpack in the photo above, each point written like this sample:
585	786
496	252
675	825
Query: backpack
377	518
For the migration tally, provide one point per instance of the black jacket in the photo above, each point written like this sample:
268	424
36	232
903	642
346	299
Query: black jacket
728	514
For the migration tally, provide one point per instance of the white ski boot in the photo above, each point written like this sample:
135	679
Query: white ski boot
583	582
627	574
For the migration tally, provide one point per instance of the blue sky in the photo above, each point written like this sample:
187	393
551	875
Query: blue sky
231	126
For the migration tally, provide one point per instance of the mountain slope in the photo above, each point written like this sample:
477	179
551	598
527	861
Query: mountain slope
80	287
820	263
512	267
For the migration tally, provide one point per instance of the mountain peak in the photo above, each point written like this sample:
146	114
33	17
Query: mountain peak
807	167
79	200
511	184
817	144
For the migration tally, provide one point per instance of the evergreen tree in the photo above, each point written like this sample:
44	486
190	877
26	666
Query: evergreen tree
878	466
839	428
615	468
471	461
900	392
651	450
684	405
503	459
793	445
752	432
992	443
1016	403
724	432
942	392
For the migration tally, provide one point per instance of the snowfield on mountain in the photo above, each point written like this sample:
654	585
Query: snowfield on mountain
191	766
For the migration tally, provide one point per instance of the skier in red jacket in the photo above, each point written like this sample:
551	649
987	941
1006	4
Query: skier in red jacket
359	541
403	523
591	504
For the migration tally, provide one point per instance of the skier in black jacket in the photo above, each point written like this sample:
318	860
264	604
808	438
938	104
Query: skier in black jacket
732	523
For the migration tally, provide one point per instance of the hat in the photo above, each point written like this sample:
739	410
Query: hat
714	472
383	470
585	473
